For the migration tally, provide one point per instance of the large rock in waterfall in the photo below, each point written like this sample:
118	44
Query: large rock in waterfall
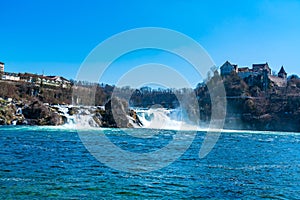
39	114
115	115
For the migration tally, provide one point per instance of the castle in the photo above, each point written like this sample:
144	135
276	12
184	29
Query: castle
258	70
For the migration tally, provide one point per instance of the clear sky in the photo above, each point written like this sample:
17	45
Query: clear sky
55	36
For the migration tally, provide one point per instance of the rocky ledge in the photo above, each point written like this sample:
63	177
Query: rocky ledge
34	112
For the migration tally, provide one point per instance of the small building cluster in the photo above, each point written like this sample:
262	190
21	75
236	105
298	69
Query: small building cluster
56	81
258	70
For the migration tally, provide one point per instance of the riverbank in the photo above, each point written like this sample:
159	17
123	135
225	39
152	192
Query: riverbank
35	113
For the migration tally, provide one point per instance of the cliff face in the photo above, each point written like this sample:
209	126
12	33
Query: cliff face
34	113
253	105
9	114
272	109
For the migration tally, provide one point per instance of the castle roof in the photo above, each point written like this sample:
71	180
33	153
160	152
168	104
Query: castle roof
244	69
282	71
228	63
260	65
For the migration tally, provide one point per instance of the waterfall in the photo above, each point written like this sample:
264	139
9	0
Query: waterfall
161	118
154	118
83	119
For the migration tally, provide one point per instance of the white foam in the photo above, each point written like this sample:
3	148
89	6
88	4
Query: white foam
160	118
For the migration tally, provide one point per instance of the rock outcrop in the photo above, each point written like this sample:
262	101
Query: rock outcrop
39	114
115	114
9	113
135	118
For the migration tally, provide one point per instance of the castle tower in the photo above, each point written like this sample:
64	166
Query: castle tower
282	73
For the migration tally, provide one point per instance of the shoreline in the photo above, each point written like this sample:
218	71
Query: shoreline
36	113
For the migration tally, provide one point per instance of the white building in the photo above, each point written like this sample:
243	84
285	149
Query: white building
10	76
1	67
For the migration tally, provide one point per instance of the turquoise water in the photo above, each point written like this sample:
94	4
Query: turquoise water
46	162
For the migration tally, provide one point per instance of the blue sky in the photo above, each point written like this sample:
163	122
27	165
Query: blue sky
56	36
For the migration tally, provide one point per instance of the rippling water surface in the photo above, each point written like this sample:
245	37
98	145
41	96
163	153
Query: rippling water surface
45	162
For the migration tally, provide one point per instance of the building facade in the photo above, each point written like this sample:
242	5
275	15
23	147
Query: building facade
227	68
258	70
10	76
1	67
282	73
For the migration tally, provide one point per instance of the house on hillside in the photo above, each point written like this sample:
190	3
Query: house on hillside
244	72
260	72
227	68
38	80
257	69
280	80
55	81
10	76
58	81
264	71
30	78
261	68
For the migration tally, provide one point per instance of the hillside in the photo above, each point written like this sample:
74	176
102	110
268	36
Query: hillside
249	106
